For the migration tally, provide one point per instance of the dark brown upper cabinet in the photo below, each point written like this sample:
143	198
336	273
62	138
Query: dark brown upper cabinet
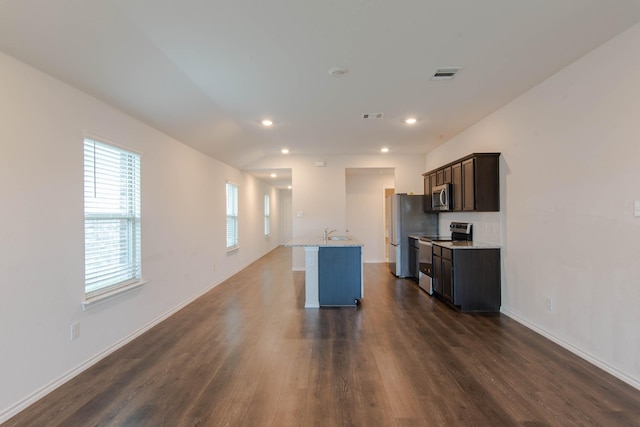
446	173
443	176
468	186
429	182
475	183
456	186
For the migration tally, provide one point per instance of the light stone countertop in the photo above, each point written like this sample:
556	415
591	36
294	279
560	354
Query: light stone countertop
466	245
309	241
418	236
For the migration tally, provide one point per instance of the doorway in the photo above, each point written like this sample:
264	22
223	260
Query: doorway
387	213
365	209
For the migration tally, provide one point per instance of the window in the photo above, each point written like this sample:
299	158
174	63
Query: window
266	215
111	218
232	216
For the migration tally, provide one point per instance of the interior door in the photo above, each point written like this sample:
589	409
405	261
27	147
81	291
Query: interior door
392	221
388	193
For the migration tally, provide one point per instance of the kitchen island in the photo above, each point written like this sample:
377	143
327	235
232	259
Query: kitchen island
333	271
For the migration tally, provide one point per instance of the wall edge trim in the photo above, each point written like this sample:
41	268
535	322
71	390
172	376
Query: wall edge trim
633	382
33	397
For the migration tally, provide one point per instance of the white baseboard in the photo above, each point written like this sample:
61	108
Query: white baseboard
48	388
575	350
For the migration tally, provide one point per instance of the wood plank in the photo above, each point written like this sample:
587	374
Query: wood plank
248	353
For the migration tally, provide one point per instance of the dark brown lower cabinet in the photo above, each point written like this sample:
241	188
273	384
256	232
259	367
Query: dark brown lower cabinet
447	279
468	279
414	258
437	271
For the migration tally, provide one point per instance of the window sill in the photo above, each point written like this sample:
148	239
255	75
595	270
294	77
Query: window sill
233	248
99	299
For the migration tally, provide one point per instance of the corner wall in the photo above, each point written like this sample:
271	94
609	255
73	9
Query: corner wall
320	192
365	213
42	122
569	179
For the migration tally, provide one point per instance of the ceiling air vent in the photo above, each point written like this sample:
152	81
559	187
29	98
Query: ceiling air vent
445	73
373	115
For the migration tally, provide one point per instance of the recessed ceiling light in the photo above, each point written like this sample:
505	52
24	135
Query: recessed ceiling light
267	122
273	175
338	71
289	187
285	151
384	150
410	121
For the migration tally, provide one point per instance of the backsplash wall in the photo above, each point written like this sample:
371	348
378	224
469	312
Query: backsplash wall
487	226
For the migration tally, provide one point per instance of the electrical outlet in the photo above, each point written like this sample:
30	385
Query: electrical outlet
549	304
75	330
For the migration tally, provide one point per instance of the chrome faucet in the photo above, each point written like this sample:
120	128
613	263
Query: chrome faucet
326	233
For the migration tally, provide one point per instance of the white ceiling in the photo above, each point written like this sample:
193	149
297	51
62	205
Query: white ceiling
207	72
282	179
369	171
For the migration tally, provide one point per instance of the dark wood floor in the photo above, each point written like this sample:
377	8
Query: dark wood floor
248	354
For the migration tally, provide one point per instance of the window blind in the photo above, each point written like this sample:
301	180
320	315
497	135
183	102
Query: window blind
111	217
232	215
267	215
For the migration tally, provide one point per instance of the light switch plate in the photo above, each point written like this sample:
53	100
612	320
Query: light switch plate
75	330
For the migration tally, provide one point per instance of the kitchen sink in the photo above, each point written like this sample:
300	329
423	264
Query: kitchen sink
338	237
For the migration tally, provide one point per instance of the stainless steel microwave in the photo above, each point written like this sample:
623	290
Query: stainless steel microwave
441	197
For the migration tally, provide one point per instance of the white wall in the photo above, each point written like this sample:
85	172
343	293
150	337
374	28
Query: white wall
365	212
41	231
320	192
285	216
569	177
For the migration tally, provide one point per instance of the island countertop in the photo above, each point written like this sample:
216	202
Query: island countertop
333	270
319	242
466	245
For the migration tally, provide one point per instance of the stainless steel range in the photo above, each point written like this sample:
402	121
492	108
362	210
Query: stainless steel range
460	231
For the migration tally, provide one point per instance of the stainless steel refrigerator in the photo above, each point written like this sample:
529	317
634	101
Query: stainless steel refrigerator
406	216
